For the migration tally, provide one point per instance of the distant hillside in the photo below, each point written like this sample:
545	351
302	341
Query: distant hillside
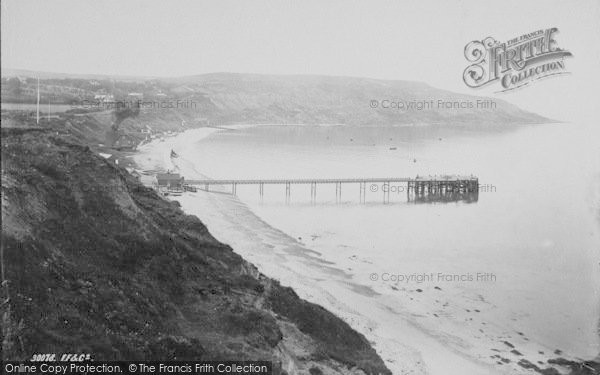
94	262
250	98
227	98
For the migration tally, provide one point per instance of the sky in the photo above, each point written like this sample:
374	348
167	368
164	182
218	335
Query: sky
388	39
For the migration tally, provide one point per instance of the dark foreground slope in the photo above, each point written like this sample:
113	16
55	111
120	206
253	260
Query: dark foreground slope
96	263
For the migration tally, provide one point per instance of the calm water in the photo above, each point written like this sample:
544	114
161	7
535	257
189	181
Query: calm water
535	229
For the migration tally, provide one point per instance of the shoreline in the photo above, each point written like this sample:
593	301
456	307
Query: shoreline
315	278
397	355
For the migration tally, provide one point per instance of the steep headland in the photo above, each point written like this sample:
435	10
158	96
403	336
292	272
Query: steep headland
230	98
301	99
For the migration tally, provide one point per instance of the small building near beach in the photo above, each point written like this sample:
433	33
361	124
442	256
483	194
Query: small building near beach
169	182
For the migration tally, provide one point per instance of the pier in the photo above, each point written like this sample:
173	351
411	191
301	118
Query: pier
418	189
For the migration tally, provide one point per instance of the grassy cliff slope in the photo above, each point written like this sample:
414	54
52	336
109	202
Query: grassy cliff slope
96	263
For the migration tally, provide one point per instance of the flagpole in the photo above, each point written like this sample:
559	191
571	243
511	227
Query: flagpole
38	102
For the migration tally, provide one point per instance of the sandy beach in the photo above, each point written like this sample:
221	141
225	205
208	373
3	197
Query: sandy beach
435	335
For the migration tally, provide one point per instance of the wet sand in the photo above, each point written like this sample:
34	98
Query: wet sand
436	335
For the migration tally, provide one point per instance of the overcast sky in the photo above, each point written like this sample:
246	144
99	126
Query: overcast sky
409	40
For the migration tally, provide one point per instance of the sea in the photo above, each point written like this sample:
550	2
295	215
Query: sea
438	287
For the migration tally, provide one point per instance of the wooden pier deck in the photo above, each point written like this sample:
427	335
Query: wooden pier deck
420	186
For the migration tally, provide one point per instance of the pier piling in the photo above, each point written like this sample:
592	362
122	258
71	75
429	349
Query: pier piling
419	189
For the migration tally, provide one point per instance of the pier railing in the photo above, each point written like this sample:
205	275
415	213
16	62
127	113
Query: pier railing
419	188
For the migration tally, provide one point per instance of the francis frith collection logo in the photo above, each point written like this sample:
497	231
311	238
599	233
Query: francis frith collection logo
514	63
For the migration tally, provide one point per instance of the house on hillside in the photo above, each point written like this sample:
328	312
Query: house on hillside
125	143
135	97
134	173
104	98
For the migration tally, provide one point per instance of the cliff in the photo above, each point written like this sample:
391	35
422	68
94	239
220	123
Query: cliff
300	99
96	263
231	98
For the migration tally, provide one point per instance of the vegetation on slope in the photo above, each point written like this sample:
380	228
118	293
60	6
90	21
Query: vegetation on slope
96	263
228	98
